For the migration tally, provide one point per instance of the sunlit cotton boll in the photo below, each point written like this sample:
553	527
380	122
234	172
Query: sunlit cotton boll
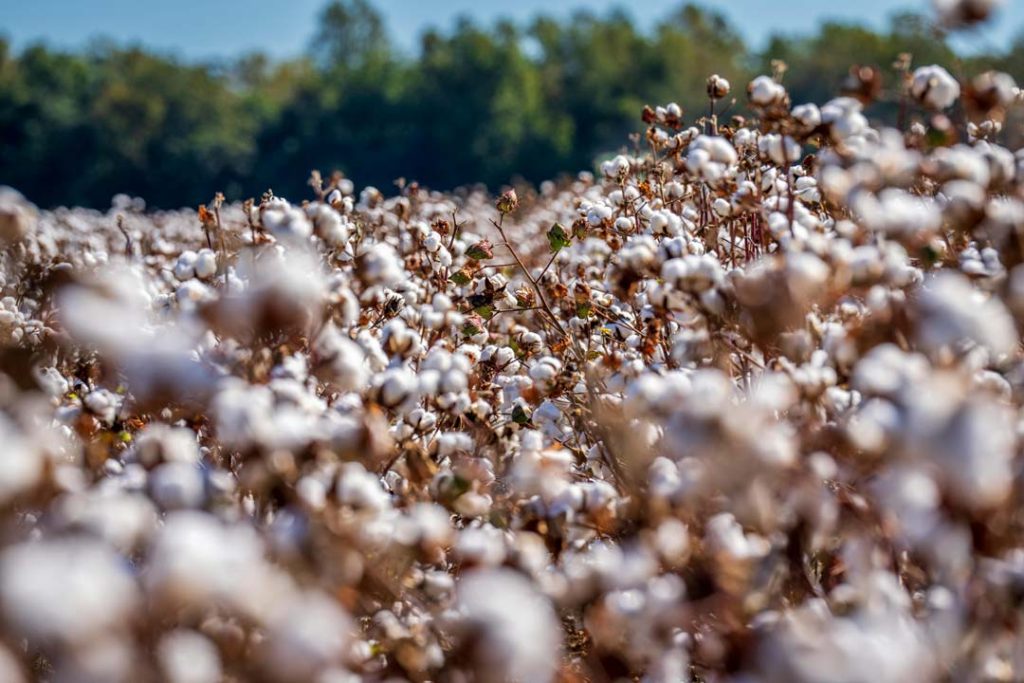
196	560
764	91
781	149
934	87
69	590
307	633
188	657
341	361
955	315
807	115
515	633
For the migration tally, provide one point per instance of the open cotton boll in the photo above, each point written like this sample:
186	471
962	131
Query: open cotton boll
306	635
185	266
69	590
205	265
341	361
189	657
196	560
934	87
955	316
18	217
764	91
519	634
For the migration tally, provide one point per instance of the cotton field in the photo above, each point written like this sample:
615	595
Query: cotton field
743	406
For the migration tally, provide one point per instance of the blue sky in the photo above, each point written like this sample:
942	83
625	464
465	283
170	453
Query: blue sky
201	29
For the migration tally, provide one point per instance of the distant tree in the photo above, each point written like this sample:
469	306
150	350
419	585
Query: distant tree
477	103
351	36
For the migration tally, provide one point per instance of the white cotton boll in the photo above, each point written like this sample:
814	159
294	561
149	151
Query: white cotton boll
361	489
52	382
722	207
763	91
844	117
18	216
70	590
195	560
330	226
205	265
193	292
897	213
976	452
188	657
934	87
432	242
177	485
104	404
343	361
242	413
396	387
807	115
517	635
308	633
723	534
472	504
122	519
10	669
381	265
781	149
184	267
955	315
879	643
158	442
616	167
22	465
287	223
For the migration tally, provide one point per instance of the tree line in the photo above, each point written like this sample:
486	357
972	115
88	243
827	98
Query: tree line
487	104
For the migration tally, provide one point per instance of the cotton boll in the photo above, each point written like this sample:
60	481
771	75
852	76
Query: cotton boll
205	265
330	226
517	635
307	634
955	315
844	118
340	361
360	489
807	115
196	560
934	87
159	442
18	217
69	590
396	388
22	465
184	267
177	485
763	91
188	657
780	149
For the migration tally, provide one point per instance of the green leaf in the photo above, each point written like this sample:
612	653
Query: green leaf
558	238
474	325
481	251
461	277
519	416
583	310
